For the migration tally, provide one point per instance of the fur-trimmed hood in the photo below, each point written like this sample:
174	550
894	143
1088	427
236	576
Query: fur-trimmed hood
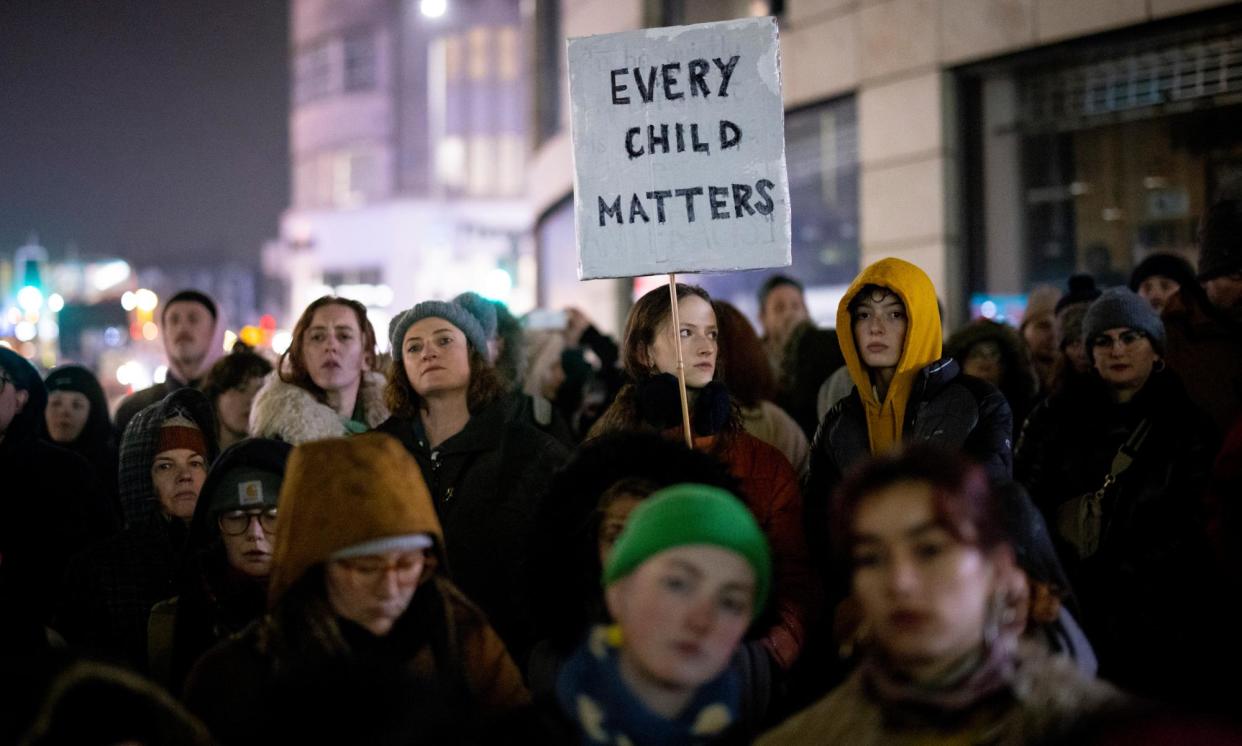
290	413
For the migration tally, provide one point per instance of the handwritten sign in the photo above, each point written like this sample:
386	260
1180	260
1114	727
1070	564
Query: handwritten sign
679	150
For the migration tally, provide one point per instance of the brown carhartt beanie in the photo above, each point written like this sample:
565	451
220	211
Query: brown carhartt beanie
342	492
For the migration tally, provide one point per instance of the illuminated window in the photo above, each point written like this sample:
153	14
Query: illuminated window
480	65
452	57
509	54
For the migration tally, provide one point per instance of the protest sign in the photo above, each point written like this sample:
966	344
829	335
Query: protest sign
679	150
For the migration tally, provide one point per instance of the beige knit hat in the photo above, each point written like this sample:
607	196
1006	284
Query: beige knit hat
1041	301
343	492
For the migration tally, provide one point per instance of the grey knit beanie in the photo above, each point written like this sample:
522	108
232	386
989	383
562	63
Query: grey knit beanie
1121	307
482	309
451	312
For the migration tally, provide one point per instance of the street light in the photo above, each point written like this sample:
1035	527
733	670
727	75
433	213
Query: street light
433	8
30	298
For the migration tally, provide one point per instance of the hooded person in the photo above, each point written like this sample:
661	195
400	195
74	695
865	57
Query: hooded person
193	336
358	607
222	584
49	506
904	391
687	576
889	326
77	419
994	353
110	588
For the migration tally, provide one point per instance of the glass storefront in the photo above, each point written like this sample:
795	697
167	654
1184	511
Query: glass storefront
1091	159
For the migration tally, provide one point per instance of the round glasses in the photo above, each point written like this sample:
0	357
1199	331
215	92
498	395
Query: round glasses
235	522
1127	339
370	570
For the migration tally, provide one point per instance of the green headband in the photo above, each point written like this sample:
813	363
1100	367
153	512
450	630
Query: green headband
686	514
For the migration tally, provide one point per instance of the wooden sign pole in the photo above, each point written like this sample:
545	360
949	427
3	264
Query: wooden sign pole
681	365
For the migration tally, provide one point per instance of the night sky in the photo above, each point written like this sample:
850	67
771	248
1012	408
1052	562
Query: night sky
154	130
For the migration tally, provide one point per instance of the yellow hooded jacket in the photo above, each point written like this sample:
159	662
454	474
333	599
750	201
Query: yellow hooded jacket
922	347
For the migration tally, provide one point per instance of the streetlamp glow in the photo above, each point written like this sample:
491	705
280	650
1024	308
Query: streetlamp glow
433	8
30	298
55	302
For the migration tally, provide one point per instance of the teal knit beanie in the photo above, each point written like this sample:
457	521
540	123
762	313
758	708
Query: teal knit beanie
685	514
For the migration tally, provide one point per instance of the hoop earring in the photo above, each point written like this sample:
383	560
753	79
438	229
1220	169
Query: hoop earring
1158	366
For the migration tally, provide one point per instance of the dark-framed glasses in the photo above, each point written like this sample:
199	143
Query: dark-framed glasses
235	522
1127	339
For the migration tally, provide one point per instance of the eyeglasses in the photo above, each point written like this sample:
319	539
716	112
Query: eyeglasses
236	522
371	570
1127	339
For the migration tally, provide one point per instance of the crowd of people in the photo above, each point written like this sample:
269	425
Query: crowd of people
886	532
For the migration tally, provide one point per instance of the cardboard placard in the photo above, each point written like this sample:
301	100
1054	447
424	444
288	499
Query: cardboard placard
679	150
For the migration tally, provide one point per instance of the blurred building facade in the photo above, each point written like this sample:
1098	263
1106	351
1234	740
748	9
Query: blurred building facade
408	152
995	143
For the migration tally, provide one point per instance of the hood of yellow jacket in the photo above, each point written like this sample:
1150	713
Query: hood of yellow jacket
922	346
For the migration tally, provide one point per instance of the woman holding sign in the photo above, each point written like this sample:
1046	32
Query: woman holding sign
769	484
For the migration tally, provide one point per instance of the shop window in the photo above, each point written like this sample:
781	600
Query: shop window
1095	162
360	61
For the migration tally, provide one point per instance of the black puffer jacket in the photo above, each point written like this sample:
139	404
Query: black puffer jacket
488	482
946	406
110	589
48	499
1143	593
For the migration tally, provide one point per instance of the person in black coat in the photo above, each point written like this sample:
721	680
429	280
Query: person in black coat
1132	539
487	471
77	419
222	583
889	325
110	589
47	493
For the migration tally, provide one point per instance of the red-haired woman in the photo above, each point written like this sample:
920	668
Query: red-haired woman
932	572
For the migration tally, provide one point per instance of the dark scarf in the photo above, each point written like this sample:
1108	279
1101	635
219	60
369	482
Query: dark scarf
591	693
